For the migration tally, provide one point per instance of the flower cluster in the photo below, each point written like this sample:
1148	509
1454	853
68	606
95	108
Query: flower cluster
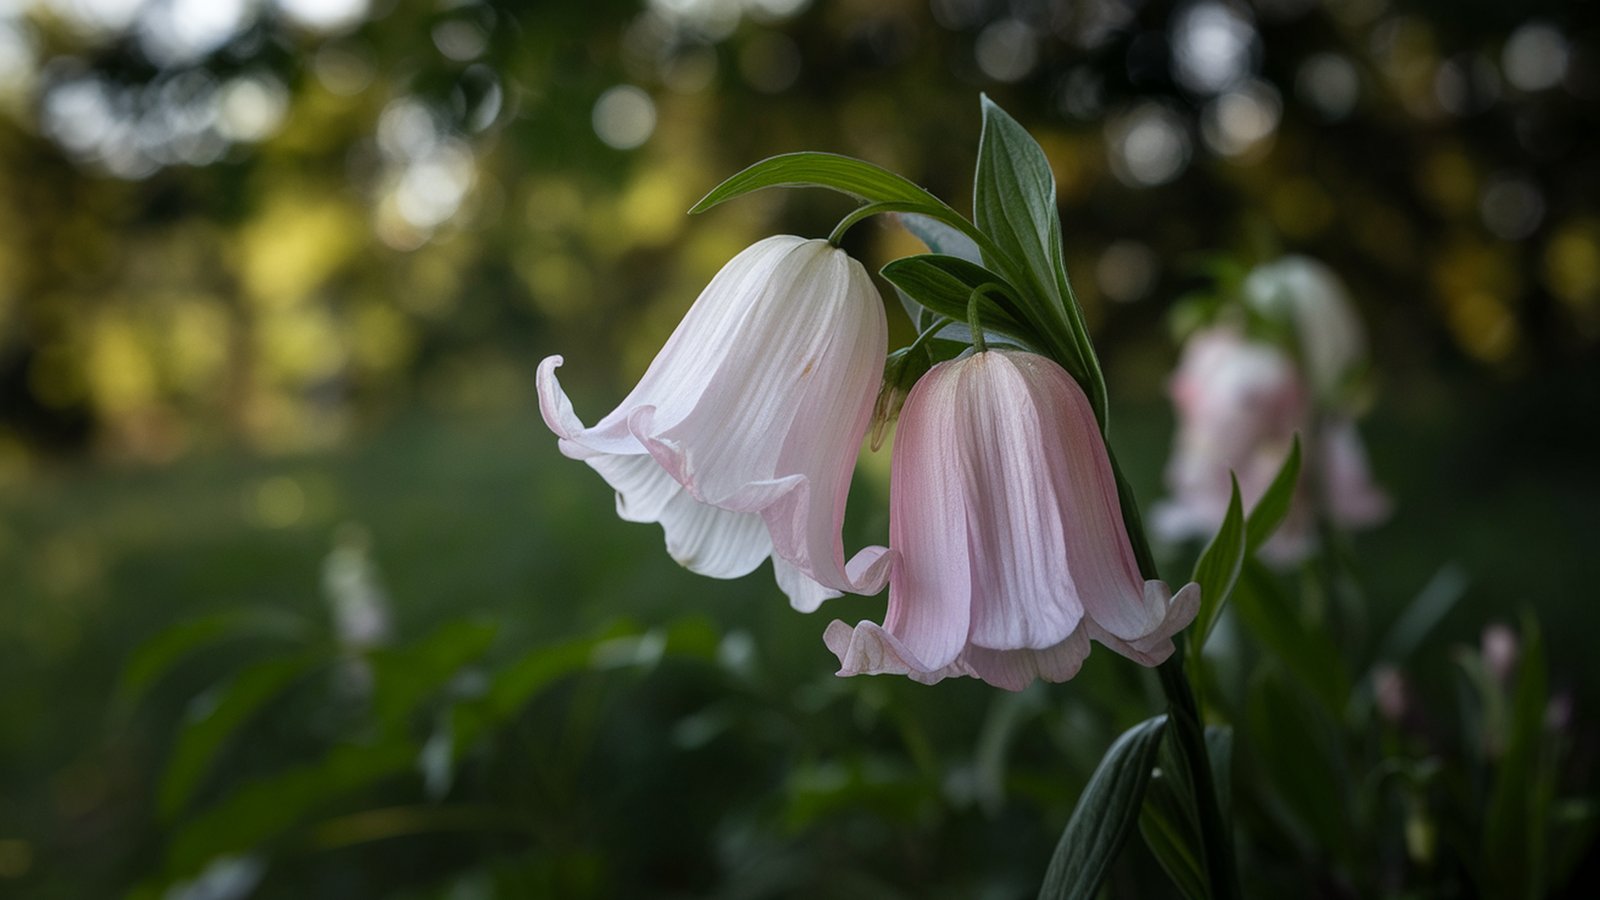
1242	398
1008	550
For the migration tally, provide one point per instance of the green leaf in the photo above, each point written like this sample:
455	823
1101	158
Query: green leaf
265	809
1274	504
1218	570
404	677
1170	822
1423	613
156	656
944	284
215	716
1295	754
1014	203
858	178
1219	749
1310	654
1105	814
941	238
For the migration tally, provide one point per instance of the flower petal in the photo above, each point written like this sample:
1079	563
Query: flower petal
1014	670
1172	613
930	591
1023	594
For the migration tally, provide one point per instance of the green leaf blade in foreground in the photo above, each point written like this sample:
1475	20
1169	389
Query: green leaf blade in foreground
1105	814
1273	506
1014	203
1170	822
1218	570
860	179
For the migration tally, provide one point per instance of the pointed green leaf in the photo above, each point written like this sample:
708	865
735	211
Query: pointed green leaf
1105	814
1014	203
1274	504
1218	570
858	178
944	284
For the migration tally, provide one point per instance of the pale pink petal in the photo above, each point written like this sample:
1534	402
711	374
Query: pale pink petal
1353	499
1105	574
1024	594
1014	670
1172	613
869	649
930	593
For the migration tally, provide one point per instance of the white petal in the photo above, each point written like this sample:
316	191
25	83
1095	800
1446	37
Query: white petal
711	541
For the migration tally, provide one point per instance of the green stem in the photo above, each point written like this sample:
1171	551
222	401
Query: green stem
974	322
1183	713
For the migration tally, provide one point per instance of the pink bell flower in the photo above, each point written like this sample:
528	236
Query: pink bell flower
1011	549
1239	405
742	436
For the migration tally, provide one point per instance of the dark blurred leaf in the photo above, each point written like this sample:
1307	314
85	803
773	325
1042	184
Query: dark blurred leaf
1014	203
1269	511
1516	823
1219	749
1423	613
262	811
156	656
858	178
1217	571
1295	750
215	716
1105	814
405	677
1308	653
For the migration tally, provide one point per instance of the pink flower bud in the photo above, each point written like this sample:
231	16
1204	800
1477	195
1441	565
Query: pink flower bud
1390	693
1010	540
1500	651
742	436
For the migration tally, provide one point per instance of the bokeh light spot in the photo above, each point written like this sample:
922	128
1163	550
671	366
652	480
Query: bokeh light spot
624	117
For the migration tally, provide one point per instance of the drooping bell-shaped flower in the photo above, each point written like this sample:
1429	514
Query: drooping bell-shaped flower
741	438
1309	298
1240	404
1010	540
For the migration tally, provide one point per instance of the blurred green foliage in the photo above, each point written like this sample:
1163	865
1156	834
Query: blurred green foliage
293	272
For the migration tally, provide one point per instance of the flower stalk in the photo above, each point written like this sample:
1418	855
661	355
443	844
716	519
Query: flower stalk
1188	729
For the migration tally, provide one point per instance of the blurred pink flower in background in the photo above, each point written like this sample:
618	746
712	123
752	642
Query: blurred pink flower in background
1239	404
742	436
1010	540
